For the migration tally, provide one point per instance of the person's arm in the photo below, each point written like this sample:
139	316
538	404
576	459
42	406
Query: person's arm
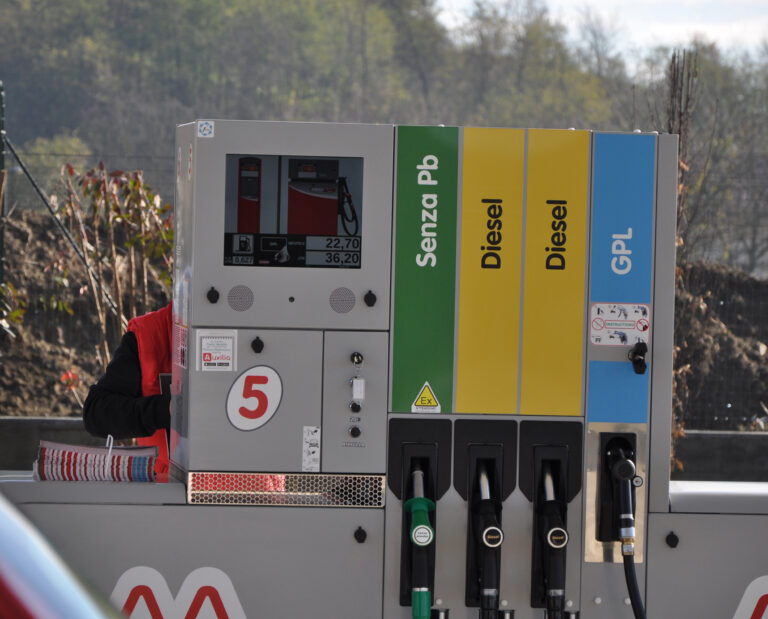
115	405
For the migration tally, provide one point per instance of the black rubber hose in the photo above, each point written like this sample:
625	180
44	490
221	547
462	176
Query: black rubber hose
634	590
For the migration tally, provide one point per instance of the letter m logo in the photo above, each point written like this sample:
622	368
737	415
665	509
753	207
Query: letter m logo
207	593
754	603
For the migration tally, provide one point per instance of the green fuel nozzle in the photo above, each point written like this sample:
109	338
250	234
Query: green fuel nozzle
421	534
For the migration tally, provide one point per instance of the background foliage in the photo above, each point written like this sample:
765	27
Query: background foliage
108	82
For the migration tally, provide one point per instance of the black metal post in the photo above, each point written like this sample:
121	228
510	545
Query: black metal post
3	182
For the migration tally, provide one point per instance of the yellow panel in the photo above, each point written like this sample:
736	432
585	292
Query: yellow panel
489	284
555	267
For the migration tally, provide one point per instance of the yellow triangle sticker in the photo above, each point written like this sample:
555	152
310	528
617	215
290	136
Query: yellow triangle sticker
426	401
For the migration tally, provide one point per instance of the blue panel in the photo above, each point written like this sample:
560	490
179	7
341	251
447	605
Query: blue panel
616	394
622	218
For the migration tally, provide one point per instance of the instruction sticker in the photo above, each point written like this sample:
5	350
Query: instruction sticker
619	324
310	455
426	401
216	350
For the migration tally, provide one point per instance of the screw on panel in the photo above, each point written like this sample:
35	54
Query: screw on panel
360	535
672	540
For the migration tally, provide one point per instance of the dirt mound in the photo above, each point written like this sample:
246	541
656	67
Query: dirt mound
721	343
50	341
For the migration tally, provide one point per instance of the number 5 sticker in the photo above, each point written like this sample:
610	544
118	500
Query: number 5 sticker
254	397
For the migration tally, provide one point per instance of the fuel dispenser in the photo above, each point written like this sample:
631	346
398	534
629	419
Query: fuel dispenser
412	377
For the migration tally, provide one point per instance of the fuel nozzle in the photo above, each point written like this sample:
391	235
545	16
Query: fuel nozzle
421	535
623	472
488	536
555	538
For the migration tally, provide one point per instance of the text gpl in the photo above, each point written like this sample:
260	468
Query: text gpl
621	263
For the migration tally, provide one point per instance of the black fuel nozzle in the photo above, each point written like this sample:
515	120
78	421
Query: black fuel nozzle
488	537
555	538
623	472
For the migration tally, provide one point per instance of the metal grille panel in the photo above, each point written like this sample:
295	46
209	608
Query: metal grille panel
342	300
286	489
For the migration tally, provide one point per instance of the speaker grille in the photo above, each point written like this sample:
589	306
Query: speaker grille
342	300
240	298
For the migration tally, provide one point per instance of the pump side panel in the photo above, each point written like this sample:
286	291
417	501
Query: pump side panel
425	268
555	272
267	561
182	292
220	436
708	574
489	282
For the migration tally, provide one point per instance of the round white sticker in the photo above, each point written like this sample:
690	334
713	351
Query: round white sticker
422	535
254	397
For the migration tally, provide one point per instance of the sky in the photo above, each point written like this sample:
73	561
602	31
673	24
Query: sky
641	24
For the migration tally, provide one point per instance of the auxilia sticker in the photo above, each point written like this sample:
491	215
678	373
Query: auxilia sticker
426	401
619	324
216	350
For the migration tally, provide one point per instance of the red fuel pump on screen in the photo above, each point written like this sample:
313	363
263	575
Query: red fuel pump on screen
313	196
249	195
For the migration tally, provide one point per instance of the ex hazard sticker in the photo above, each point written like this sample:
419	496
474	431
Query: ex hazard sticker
426	401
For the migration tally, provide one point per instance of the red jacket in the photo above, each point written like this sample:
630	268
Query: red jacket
153	335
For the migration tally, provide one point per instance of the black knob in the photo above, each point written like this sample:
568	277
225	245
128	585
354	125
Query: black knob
355	406
355	431
636	355
356	358
212	295
370	298
672	540
257	344
360	535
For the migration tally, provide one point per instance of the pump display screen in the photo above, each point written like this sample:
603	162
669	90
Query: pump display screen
286	211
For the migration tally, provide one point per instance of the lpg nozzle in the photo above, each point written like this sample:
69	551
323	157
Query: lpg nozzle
623	472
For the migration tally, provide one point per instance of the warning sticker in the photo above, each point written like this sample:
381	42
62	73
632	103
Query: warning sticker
216	350
310	453
619	324
426	401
